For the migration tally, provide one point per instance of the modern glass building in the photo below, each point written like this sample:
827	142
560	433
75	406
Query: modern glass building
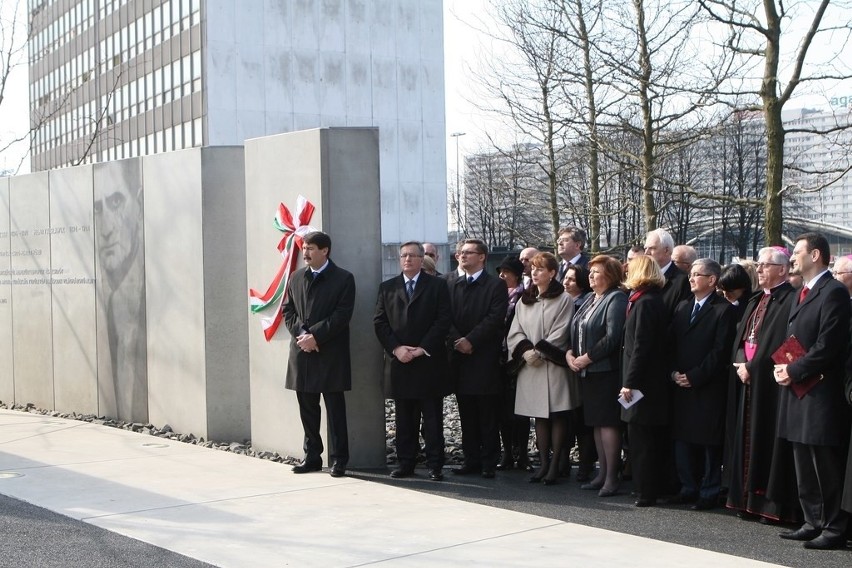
113	79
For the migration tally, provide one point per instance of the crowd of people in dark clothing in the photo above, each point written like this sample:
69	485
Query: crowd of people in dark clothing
709	385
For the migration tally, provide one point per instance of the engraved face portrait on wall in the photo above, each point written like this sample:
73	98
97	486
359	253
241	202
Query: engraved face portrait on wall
119	243
118	218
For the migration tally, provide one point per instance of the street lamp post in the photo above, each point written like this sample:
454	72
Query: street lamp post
458	135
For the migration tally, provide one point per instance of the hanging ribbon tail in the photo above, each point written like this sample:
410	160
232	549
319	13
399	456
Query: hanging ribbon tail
289	247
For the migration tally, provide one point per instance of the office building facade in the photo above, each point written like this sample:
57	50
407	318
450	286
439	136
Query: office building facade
113	79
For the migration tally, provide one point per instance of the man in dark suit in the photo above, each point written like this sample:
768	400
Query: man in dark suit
320	301
817	423
660	245
478	302
701	333
411	322
569	246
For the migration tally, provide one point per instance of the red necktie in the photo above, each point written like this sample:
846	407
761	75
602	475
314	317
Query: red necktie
803	294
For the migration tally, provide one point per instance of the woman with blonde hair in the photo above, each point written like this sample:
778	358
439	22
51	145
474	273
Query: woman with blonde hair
538	339
595	352
644	369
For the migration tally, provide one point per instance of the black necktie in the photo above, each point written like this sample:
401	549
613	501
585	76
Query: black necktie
470	279
694	312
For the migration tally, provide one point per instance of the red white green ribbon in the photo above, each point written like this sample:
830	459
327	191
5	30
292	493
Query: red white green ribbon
289	247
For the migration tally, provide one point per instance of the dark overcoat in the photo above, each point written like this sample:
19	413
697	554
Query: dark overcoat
644	361
821	324
421	322
478	312
322	305
752	422
701	349
676	289
847	485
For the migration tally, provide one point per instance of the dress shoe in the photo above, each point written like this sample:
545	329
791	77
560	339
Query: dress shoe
550	480
401	472
583	476
704	505
337	470
306	467
436	474
608	492
681	499
506	462
641	502
488	473
823	542
591	486
524	462
801	534
466	470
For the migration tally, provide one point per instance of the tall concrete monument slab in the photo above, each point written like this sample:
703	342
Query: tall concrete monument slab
7	356
336	169
72	254
195	282
120	250
29	219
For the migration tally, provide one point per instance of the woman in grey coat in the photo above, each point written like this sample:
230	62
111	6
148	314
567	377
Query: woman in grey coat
537	340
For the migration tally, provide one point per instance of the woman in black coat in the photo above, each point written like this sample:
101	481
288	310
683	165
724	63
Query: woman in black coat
643	369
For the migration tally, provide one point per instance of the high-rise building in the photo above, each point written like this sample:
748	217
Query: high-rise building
816	152
112	79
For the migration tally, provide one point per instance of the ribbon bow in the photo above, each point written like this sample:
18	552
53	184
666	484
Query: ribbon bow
289	247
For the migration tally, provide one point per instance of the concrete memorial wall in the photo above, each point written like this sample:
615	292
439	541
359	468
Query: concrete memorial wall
195	279
337	170
123	291
7	355
124	286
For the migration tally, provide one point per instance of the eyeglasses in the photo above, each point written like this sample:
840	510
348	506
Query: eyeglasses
762	265
409	255
563	241
467	252
839	272
431	255
697	274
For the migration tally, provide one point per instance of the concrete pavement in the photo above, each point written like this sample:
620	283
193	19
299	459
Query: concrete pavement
231	511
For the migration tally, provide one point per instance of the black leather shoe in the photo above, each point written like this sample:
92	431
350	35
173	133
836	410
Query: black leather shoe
466	470
337	470
506	462
681	499
306	467
436	474
704	505
823	542
488	473
801	534
645	502
401	472
524	462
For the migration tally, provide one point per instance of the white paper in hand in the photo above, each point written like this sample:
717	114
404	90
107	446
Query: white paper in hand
637	396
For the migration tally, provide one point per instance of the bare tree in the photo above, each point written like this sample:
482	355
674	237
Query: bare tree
767	24
524	78
668	83
14	32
